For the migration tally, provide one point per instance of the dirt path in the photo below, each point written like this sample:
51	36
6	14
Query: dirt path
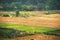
35	37
38	37
41	37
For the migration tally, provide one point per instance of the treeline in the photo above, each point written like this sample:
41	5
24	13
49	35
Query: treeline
29	5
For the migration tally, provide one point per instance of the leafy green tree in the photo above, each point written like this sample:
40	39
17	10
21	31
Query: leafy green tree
30	4
17	13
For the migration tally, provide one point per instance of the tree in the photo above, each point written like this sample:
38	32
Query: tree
39	4
52	5
17	13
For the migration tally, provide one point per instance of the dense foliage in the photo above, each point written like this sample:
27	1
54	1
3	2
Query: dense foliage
29	5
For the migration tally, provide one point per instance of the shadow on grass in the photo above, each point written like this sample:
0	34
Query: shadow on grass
12	33
5	32
54	32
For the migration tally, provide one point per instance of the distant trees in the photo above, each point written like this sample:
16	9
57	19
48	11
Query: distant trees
52	4
30	4
28	7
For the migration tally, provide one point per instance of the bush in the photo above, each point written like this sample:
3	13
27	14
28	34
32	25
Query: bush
13	15
25	15
6	15
51	12
31	39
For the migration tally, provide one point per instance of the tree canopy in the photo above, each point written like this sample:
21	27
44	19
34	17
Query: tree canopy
30	5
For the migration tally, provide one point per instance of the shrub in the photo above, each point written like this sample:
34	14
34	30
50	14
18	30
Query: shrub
6	15
25	15
53	12
31	39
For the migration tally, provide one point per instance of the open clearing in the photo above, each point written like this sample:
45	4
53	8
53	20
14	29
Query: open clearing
33	21
52	20
43	20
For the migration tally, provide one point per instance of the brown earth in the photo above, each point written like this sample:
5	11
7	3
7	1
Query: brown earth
44	21
38	37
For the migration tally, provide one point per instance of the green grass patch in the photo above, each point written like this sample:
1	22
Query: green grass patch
31	29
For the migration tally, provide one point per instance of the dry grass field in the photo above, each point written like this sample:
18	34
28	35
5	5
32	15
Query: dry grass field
45	21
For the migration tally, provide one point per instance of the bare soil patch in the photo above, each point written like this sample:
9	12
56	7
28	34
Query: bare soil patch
38	37
41	37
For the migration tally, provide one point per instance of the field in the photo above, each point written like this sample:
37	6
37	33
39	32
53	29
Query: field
41	25
38	32
26	28
45	21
